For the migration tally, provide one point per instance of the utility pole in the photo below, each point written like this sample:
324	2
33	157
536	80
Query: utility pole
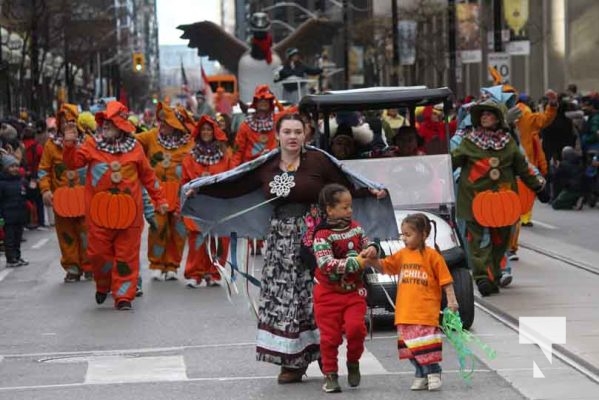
453	84
497	43
346	43
66	23
394	23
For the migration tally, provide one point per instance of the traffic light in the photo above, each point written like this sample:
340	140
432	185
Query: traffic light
139	62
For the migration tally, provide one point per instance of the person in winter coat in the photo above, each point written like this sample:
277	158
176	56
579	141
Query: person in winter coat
13	210
568	181
294	67
558	134
117	171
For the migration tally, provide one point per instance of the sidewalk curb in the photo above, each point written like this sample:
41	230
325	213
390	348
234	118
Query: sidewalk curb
559	351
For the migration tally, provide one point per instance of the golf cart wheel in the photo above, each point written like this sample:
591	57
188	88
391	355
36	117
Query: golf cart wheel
464	292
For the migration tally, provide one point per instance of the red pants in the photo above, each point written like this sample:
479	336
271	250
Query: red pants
336	314
198	262
114	256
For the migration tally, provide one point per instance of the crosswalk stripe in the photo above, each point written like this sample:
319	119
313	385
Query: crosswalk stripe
369	364
135	369
4	273
40	243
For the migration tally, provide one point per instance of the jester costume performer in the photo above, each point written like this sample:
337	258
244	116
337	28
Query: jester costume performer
256	135
268	202
208	157
490	160
117	170
63	189
165	147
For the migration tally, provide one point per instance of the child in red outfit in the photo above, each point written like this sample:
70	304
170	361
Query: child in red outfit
339	293
423	274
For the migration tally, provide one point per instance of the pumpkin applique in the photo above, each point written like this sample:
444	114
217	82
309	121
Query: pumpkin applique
113	209
69	201
495	209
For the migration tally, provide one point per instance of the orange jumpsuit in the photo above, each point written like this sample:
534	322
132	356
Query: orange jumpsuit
114	253
167	240
250	144
198	263
71	232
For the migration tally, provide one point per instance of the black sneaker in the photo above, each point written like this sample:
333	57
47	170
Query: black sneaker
139	292
12	264
486	287
353	374
88	275
123	305
101	297
72	277
22	262
331	383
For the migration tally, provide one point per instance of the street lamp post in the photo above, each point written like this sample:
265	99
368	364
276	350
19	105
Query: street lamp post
346	43
395	35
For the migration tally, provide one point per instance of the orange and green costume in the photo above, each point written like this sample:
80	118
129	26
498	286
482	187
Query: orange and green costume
54	176
199	265
115	177
166	239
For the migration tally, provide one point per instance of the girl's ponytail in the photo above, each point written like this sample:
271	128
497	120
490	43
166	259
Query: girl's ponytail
434	223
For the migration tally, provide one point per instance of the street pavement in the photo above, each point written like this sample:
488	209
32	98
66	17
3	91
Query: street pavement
56	343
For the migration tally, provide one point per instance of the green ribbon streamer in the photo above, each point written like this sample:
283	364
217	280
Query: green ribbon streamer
462	341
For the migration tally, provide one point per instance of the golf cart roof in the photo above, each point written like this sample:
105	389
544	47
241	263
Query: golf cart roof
374	98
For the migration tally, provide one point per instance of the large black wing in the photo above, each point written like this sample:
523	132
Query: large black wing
310	36
213	41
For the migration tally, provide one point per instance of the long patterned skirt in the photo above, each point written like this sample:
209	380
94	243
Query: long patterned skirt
287	332
421	343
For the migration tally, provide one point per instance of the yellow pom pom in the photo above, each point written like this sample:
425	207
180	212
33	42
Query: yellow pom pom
86	121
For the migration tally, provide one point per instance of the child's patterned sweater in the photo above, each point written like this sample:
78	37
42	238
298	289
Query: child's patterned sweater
336	251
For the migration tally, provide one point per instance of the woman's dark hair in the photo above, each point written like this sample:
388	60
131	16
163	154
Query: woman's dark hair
288	117
329	195
422	224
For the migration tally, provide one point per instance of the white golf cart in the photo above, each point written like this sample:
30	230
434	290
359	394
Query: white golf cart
421	183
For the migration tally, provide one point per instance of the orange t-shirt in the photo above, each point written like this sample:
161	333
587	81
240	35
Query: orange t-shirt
421	277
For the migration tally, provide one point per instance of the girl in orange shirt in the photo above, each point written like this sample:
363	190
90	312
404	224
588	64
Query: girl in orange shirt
423	274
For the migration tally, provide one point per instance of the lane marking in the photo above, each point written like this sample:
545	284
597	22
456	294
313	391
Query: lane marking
118	352
247	378
4	273
136	369
40	243
543	224
369	364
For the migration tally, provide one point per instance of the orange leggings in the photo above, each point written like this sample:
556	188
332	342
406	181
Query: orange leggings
72	239
114	255
198	262
166	242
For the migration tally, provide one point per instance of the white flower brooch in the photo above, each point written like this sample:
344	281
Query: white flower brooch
281	185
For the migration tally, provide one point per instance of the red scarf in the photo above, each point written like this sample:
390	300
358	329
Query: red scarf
264	45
